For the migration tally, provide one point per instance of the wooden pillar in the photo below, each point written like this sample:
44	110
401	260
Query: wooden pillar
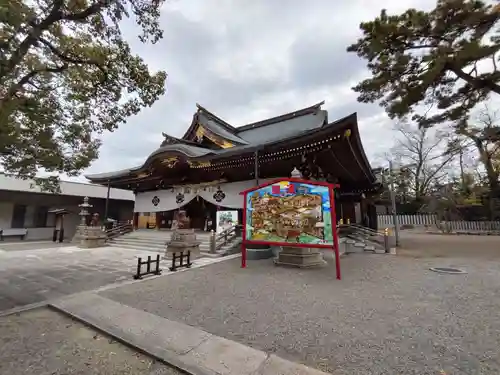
158	220
136	220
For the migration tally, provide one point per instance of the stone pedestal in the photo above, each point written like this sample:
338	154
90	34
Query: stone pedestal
257	252
302	257
89	237
80	230
183	240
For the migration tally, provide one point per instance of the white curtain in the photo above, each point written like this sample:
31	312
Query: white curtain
228	195
223	195
161	200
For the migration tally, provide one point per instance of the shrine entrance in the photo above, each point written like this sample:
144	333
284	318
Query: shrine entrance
199	210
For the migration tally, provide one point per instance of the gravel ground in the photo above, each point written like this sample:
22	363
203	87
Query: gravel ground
44	342
438	245
389	315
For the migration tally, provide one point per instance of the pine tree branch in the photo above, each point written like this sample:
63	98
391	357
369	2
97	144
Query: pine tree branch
478	83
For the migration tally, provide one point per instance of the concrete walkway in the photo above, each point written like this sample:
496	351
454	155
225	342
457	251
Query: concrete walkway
190	349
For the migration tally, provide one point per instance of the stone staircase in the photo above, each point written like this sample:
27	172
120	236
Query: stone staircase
155	241
360	241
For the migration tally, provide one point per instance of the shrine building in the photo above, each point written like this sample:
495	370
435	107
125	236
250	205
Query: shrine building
206	169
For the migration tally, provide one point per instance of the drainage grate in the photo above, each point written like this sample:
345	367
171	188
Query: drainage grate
447	270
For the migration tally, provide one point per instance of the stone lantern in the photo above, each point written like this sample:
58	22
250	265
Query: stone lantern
88	236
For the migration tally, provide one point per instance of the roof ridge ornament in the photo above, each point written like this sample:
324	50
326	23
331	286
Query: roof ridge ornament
296	173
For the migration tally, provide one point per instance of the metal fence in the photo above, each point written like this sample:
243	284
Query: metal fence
387	221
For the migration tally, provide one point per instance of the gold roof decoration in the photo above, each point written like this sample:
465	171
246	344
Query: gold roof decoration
201	132
170	162
199	164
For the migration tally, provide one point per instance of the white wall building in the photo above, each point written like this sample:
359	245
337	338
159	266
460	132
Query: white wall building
24	206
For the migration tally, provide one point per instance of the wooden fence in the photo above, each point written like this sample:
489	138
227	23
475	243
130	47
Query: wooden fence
419	220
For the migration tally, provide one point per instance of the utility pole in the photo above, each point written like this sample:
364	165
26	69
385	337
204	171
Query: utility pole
393	202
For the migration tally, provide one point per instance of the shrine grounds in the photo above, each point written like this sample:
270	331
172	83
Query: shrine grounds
389	314
45	342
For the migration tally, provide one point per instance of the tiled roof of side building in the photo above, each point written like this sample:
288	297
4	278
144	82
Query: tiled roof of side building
70	188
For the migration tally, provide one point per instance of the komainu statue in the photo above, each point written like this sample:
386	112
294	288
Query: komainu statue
183	221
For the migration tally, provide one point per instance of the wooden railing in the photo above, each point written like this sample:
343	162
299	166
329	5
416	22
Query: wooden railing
119	230
217	241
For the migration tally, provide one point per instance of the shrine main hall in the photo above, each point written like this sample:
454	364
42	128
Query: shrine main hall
206	169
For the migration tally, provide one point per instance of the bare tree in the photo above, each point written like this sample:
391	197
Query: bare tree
483	134
423	156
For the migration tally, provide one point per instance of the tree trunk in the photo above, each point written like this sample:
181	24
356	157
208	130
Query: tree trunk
491	174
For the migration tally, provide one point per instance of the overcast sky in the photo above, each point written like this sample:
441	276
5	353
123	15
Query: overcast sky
247	60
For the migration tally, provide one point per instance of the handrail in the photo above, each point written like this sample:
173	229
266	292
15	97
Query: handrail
226	236
119	230
365	229
384	237
217	241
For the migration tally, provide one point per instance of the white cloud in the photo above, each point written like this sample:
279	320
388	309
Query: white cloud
248	60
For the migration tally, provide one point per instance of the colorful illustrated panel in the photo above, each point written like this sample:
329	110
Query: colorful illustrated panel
289	212
226	220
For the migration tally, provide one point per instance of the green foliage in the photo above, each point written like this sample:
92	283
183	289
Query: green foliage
431	58
67	75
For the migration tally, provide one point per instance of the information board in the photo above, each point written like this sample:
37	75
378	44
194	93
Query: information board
226	220
289	212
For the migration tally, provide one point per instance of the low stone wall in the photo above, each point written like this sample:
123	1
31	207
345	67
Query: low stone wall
39	234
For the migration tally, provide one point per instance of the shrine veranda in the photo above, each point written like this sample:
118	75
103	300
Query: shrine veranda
205	170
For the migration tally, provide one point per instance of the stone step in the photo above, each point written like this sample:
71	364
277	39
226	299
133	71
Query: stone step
149	241
155	242
203	253
359	242
139	240
161	234
149	244
160	248
155	239
149	247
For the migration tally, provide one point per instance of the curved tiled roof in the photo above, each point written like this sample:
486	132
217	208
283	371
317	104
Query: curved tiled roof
186	150
194	152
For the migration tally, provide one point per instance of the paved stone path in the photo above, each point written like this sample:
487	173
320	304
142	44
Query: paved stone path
191	349
31	276
37	275
30	245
